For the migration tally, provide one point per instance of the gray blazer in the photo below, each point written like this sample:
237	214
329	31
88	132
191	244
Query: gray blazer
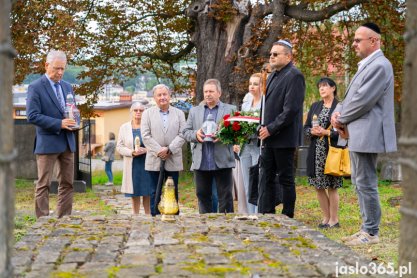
368	108
155	137
223	154
109	149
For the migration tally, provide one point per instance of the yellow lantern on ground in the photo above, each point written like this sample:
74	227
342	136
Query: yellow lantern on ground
168	205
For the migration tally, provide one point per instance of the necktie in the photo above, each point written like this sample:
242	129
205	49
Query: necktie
59	96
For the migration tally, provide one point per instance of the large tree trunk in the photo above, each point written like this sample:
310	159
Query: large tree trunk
233	37
408	147
7	153
224	40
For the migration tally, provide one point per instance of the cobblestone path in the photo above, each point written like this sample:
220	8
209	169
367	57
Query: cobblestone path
195	245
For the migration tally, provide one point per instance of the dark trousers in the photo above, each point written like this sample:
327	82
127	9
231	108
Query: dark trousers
280	161
224	185
65	175
154	182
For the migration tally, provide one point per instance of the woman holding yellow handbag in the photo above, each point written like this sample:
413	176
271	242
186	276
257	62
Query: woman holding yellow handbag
317	129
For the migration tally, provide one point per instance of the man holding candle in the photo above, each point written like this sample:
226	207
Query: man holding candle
212	160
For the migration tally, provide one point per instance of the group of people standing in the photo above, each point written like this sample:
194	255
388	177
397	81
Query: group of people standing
159	129
364	120
151	141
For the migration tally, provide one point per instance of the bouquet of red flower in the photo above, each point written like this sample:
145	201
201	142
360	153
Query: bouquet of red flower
238	128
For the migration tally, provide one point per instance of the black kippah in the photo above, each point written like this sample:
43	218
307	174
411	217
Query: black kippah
372	26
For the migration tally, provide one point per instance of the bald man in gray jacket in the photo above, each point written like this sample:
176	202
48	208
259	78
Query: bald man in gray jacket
366	118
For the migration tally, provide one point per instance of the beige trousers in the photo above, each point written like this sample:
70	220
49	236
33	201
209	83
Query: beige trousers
46	163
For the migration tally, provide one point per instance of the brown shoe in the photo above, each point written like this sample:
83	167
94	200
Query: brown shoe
364	238
351	237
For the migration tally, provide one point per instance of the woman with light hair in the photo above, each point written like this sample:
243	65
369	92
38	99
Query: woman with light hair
250	154
136	181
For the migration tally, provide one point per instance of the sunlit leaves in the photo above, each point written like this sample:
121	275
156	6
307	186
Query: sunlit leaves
115	40
325	48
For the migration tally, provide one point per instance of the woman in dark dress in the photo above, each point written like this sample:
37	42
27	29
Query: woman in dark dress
136	181
317	129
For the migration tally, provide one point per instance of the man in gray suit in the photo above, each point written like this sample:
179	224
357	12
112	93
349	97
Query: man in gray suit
211	160
162	127
366	118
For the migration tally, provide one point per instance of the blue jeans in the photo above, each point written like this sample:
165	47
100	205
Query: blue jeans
214	197
107	169
365	179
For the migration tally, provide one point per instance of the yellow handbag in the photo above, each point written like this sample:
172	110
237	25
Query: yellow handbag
337	161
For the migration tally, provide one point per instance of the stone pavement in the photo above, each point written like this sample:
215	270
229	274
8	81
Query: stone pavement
210	245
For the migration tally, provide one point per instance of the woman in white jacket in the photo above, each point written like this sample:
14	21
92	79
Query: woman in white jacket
250	154
136	181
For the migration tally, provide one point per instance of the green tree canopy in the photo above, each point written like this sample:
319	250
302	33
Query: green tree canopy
230	39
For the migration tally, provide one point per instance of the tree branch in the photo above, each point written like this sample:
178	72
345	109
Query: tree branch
84	20
298	12
168	57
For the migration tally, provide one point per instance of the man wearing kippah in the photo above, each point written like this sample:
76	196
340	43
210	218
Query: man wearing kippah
282	129
366	118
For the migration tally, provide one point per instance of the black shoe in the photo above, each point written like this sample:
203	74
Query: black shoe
323	226
337	225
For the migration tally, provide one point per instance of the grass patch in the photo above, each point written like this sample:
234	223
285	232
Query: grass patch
57	274
295	252
201	268
186	189
309	212
302	242
22	222
277	264
100	177
25	206
268	225
199	237
112	271
20	183
89	201
159	269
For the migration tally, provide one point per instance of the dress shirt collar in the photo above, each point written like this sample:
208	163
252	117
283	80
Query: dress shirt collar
214	107
52	82
365	60
164	112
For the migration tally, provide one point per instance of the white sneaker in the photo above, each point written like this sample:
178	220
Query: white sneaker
364	238
351	237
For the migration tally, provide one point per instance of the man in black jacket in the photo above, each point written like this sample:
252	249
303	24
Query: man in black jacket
282	129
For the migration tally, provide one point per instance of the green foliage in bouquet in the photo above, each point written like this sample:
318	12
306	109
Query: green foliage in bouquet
237	132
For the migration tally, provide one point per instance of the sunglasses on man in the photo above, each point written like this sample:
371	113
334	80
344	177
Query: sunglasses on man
275	54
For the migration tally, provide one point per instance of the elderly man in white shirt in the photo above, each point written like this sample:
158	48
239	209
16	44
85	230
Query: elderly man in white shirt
162	127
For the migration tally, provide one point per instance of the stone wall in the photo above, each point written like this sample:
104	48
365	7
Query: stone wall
24	134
